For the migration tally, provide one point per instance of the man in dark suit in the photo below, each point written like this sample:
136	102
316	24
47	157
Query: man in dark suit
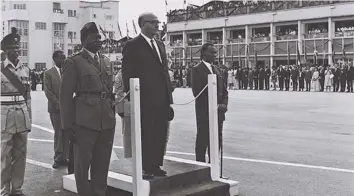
199	80
287	78
350	78
336	78
250	78
51	83
294	77
262	74
245	78
308	78
145	58
256	78
88	118
281	74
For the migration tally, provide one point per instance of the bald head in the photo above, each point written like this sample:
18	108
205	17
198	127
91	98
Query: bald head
149	24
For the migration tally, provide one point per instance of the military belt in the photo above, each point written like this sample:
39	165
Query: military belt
12	100
102	95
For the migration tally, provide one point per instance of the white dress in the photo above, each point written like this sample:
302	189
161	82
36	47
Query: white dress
316	81
229	77
328	79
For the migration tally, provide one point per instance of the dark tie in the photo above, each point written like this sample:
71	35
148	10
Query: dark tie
154	49
97	61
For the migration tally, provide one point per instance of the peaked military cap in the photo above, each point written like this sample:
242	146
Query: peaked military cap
10	41
87	29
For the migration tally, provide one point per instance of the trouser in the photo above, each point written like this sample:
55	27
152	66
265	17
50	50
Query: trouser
61	142
240	83
245	84
261	83
255	84
342	85
267	83
250	84
13	162
322	84
127	136
168	135
336	83
153	135
281	83
294	84
287	83
92	150
350	85
203	140
308	84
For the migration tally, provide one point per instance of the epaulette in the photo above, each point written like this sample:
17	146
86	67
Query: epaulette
75	54
104	56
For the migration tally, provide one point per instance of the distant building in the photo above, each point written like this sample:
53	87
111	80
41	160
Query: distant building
269	32
46	26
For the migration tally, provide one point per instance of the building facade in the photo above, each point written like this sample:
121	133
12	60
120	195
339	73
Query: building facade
47	26
271	33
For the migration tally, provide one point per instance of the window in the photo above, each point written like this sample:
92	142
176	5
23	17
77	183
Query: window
24	49
111	34
58	36
40	66
19	6
41	26
3	8
94	15
72	13
21	25
108	17
71	35
57	8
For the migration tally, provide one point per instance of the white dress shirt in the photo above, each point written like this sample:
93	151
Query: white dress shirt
208	65
57	68
155	44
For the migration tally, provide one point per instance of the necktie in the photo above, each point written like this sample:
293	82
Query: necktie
96	58
97	61
154	49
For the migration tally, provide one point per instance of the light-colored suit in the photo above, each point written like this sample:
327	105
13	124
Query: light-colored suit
51	82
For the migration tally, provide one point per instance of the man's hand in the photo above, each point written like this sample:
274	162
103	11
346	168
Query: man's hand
222	108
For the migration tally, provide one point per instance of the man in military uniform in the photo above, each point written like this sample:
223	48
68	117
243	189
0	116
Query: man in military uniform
15	117
88	117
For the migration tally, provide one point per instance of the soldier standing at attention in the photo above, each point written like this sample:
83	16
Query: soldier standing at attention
15	117
89	117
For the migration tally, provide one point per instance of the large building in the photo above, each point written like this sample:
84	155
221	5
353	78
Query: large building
46	26
269	32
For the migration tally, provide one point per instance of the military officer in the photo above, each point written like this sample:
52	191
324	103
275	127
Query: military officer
15	117
87	112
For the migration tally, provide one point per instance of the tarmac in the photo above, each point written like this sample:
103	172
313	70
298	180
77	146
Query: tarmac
275	143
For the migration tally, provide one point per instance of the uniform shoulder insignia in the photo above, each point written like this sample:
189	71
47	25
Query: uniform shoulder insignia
75	54
105	57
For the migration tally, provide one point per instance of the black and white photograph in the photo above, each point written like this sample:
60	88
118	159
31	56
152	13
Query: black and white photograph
177	98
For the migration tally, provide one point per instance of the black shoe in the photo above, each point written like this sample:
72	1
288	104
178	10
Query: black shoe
148	176
159	172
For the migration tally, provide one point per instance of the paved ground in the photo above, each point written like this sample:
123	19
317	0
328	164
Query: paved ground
276	143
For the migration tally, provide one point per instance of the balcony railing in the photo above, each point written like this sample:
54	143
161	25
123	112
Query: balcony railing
316	35
286	37
59	11
214	9
194	42
238	40
344	34
260	39
214	41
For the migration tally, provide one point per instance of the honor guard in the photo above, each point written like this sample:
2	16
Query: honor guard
15	116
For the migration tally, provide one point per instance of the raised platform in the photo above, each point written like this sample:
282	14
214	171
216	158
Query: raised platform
185	177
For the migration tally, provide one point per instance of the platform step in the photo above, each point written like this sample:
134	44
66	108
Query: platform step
211	188
185	177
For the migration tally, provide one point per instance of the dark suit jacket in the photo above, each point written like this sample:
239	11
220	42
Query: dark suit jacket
199	80
52	81
139	61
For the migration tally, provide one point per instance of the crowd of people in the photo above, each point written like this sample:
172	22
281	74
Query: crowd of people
283	78
300	78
